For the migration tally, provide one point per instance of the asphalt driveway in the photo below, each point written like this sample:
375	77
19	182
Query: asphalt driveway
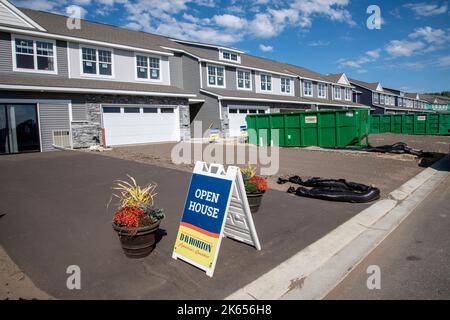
56	216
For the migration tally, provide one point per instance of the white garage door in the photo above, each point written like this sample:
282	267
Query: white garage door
236	118
133	125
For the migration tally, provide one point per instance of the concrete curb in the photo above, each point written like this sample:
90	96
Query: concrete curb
317	269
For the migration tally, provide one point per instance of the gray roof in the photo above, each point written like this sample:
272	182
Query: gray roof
333	77
432	99
32	80
371	86
229	94
56	24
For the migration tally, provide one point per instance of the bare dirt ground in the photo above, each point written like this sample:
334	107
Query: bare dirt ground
386	171
14	284
427	143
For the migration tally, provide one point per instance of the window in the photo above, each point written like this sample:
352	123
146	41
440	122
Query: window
348	94
232	111
148	68
230	56
132	110
111	109
376	98
96	62
322	90
307	88
266	82
216	76
285	85
244	80
150	110
337	93
44	56
167	110
34	55
382	100
89	61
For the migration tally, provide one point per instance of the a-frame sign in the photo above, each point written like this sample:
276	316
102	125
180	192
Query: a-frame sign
216	207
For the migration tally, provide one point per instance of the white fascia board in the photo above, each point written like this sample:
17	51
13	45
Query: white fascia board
81	40
19	14
207	45
88	90
274	100
240	66
182	51
316	80
196	100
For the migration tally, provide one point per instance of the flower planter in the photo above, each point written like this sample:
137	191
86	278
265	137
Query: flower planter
138	244
254	201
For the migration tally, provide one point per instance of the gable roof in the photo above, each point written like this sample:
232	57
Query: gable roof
371	86
15	18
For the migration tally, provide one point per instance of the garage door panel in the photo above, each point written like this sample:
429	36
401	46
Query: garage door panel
135	128
236	119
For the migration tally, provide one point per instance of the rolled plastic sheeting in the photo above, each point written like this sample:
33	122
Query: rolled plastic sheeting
332	189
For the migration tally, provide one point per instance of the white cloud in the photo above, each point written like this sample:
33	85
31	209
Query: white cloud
82	2
319	43
375	54
262	27
183	18
404	48
358	63
74	9
423	9
444	61
430	35
230	21
44	5
265	48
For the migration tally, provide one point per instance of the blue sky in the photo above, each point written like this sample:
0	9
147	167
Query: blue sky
411	51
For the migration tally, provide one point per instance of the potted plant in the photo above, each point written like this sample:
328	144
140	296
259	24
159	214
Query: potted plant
136	219
255	187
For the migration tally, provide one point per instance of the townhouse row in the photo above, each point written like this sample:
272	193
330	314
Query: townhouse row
104	85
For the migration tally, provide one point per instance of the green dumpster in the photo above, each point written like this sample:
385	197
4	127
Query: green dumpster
326	128
418	123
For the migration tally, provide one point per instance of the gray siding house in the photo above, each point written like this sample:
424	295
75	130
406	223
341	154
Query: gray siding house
104	85
384	100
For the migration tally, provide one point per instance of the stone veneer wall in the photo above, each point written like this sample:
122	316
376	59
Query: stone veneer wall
89	133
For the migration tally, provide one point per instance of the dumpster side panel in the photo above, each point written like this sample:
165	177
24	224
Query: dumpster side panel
420	121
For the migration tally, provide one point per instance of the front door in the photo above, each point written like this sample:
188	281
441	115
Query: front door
19	130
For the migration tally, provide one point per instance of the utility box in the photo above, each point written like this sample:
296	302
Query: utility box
417	123
326	128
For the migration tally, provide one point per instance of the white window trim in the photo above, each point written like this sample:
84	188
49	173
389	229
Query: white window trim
326	90
97	75
224	76
221	51
271	82
148	79
334	93
312	88
34	39
290	86
237	80
345	94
